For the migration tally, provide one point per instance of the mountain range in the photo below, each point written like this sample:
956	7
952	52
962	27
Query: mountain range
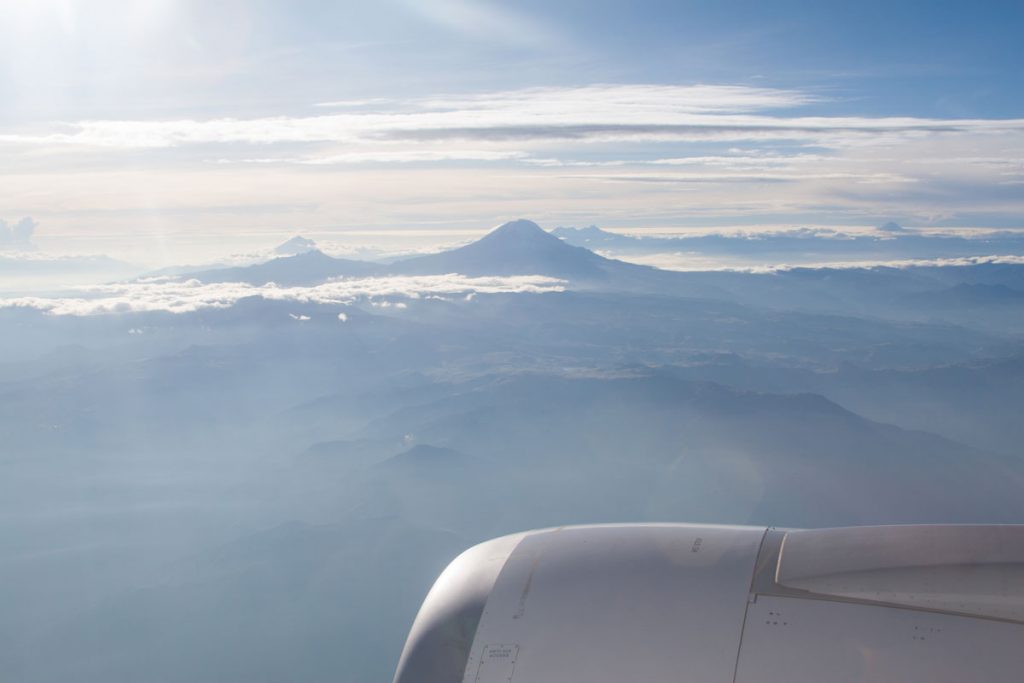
519	247
982	295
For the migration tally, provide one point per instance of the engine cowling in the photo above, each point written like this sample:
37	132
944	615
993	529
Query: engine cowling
689	603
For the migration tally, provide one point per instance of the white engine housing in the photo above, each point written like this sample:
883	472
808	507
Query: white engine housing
679	603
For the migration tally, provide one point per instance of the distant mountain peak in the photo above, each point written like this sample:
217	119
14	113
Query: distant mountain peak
522	247
295	246
588	236
303	267
589	230
518	229
520	237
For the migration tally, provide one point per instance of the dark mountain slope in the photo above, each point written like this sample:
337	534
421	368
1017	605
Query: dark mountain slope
307	268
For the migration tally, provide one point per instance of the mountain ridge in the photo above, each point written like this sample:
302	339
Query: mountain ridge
309	267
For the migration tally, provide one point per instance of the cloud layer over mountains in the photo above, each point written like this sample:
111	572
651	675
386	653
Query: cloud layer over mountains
192	295
519	256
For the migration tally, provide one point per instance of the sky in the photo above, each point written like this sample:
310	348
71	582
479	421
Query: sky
159	130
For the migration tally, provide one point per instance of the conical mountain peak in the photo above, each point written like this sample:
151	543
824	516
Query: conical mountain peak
518	234
295	245
521	228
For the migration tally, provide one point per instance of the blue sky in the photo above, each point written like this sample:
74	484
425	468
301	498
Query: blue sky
147	127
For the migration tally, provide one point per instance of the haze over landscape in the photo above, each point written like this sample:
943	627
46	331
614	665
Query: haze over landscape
298	301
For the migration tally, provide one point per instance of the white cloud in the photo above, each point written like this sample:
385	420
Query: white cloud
695	262
356	104
17	235
744	161
162	294
598	111
607	103
641	155
391	304
763	177
960	261
383	156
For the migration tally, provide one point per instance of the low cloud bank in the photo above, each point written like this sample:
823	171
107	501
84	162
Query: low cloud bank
693	262
175	296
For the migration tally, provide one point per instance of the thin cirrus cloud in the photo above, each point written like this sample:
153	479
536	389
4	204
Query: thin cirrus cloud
174	296
487	20
541	113
384	156
771	177
592	125
536	115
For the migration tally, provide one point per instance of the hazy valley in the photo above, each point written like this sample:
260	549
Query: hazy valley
253	472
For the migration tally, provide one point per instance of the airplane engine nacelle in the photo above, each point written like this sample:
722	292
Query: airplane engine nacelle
678	603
